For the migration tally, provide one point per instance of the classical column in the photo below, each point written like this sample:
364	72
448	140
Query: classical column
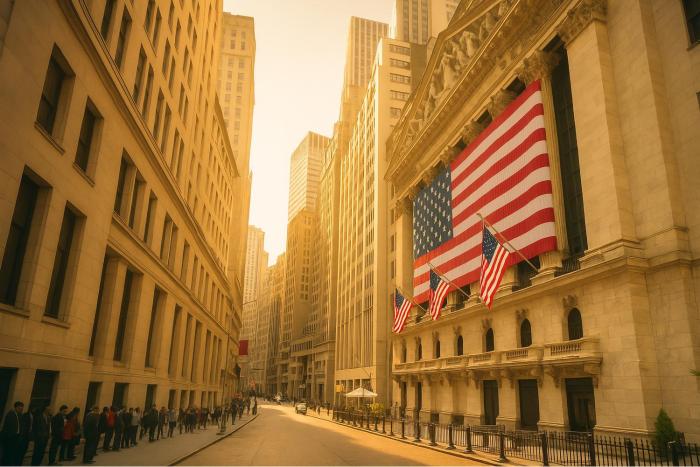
539	66
606	196
404	244
500	101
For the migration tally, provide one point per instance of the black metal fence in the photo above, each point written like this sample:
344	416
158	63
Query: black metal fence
547	447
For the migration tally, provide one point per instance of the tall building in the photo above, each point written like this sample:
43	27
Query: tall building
116	228
418	21
255	266
363	36
364	273
273	296
603	337
305	172
236	91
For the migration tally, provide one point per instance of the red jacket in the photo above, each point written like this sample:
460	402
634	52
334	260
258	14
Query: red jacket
69	429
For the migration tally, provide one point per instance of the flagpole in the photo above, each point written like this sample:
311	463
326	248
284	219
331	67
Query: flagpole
410	299
505	240
448	281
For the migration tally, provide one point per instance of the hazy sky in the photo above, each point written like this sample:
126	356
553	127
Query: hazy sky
298	75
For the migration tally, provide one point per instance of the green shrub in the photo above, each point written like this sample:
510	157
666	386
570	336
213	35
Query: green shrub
665	431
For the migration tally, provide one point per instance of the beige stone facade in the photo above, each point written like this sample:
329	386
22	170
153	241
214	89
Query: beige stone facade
117	227
619	83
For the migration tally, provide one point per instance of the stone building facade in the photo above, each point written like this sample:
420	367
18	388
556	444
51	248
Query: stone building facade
606	333
116	228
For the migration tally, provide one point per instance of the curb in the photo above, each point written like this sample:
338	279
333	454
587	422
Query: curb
451	452
202	448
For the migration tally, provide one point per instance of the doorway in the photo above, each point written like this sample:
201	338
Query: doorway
6	377
42	390
580	402
529	404
93	394
490	402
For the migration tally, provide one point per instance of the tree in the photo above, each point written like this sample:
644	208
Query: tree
665	431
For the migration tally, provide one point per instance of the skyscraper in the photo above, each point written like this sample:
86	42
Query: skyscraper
305	173
419	20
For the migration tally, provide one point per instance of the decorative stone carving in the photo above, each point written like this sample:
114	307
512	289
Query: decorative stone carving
449	74
569	302
448	154
537	66
470	131
457	330
500	101
486	323
404	206
429	175
581	16
521	314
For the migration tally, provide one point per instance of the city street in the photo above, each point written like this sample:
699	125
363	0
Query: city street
280	437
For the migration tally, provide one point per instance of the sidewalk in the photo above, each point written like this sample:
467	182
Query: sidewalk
481	457
166	451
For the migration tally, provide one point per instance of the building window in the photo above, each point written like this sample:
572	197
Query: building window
123	316
395	112
138	81
17	239
400	64
403	352
489	341
96	320
399	49
692	18
60	264
419	351
42	390
460	345
150	212
569	161
121	186
147	93
56	75
396	78
85	139
574	324
437	348
149	362
398	95
121	41
525	334
107	18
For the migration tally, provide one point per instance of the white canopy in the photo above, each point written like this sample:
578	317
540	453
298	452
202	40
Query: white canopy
361	392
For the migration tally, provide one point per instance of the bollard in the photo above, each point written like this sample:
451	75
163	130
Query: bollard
450	438
469	440
376	422
416	432
630	451
431	434
591	449
403	428
673	447
545	448
391	426
383	424
501	447
368	421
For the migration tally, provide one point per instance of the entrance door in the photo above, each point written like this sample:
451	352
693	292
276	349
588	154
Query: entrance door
92	395
42	391
490	402
581	404
529	404
119	394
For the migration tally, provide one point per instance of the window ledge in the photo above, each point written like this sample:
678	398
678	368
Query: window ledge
13	310
55	322
82	173
49	138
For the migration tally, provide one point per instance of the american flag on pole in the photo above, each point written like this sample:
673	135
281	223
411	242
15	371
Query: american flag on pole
402	308
493	261
503	174
438	292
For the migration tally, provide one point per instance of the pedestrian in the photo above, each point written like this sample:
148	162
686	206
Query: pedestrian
172	421
42	430
134	424
67	437
91	431
152	423
240	410
181	419
118	429
57	424
162	422
126	423
255	407
110	421
25	434
11	435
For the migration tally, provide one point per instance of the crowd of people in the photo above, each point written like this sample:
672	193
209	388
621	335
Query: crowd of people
115	428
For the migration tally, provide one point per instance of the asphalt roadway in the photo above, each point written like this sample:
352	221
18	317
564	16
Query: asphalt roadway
280	437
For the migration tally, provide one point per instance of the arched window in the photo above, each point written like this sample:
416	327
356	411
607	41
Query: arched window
525	334
419	351
437	349
488	341
575	325
403	353
460	345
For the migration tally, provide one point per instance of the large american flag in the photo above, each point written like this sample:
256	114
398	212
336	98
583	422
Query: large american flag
494	257
504	175
402	307
438	291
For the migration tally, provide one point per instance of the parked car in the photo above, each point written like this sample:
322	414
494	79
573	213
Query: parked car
300	408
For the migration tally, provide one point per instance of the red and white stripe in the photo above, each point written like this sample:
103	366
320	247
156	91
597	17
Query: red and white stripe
504	174
492	274
401	315
437	299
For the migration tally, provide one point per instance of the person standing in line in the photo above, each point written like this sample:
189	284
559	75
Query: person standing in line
11	435
57	423
110	417
172	421
152	423
91	431
26	434
134	424
181	419
126	422
42	431
67	437
77	433
118	429
162	422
